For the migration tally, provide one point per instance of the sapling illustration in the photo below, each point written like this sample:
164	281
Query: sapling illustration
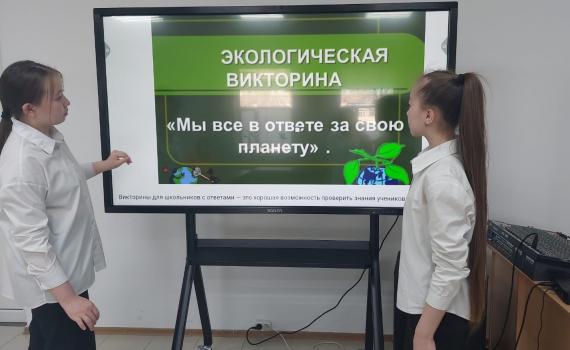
383	172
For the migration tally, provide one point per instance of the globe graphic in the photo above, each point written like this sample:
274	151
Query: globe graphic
183	176
375	176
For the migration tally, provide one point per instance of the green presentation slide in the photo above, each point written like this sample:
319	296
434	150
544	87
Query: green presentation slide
316	99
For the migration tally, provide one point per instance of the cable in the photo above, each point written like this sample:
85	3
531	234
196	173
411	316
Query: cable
524	315
388	233
324	313
285	341
310	324
283	338
259	327
518	248
540	328
526	309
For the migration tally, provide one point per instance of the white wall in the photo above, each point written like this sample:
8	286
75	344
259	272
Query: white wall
519	46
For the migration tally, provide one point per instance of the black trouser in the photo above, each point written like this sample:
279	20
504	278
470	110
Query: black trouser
453	332
52	329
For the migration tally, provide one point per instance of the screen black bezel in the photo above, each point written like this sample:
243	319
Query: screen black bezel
100	13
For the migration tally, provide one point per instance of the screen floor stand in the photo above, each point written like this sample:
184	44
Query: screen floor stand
278	253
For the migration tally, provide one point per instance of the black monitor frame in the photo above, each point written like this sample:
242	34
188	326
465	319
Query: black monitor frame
100	13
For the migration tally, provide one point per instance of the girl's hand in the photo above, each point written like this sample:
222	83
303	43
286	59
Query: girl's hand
115	160
79	309
82	311
426	328
423	343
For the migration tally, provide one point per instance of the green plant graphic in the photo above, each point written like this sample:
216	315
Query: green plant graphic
385	155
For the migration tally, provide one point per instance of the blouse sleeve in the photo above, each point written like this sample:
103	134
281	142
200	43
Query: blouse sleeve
451	214
88	170
23	204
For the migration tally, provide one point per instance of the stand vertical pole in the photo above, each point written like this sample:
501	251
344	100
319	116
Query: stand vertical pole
369	341
189	275
203	309
374	271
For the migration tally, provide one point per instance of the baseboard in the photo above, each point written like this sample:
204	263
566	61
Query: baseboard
234	333
12	316
231	333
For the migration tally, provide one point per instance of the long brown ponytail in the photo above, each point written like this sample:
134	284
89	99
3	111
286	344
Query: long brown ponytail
461	100
21	82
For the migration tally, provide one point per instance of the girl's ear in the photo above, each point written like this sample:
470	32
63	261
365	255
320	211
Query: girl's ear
430	116
28	109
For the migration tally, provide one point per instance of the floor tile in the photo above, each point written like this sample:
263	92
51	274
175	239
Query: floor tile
7	333
12	338
21	342
124	342
225	343
165	343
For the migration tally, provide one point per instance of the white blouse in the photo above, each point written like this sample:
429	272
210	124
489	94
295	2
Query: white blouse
46	218
439	217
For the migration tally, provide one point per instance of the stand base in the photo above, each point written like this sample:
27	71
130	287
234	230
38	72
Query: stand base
283	253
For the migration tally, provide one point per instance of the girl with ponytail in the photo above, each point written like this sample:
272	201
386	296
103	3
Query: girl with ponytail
51	245
441	288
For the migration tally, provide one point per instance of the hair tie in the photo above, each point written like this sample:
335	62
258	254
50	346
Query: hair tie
6	114
460	78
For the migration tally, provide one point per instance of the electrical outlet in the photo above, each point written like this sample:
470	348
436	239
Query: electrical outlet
266	324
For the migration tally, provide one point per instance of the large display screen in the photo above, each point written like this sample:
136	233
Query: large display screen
265	109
